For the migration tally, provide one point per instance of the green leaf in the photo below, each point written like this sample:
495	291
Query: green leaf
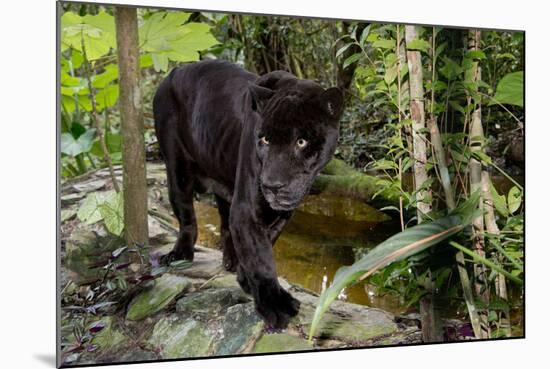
364	35
514	199
417	44
343	49
499	202
96	31
112	212
475	54
385	44
72	147
350	60
88	211
398	247
390	74
103	79
510	90
107	97
114	144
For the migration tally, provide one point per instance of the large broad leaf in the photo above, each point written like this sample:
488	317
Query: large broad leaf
166	37
96	31
72	146
398	247
510	90
89	212
112	211
107	97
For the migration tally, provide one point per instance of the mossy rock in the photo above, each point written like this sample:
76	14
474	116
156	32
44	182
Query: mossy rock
211	302
178	337
241	327
281	342
109	337
163	291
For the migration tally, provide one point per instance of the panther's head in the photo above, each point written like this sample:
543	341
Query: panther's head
296	134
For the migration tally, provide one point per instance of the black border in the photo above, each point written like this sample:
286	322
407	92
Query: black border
58	355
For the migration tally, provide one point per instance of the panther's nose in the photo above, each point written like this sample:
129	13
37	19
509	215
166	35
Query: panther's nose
273	186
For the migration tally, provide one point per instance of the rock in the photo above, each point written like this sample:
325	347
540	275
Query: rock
87	250
163	291
281	342
109	337
157	233
345	322
178	337
224	280
211	302
240	329
72	198
89	186
206	264
408	336
137	354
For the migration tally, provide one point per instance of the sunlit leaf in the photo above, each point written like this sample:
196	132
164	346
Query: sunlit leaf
514	199
73	146
510	90
420	45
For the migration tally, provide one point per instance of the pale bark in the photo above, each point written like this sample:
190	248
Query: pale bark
476	139
131	114
430	326
416	90
492	228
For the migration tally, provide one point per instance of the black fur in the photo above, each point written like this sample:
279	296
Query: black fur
242	136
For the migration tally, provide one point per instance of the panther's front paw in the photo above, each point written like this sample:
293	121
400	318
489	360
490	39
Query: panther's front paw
275	305
174	256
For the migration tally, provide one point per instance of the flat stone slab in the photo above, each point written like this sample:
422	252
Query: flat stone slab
281	342
211	302
346	322
154	299
240	329
180	337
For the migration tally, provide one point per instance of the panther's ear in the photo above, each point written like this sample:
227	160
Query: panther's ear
259	96
332	102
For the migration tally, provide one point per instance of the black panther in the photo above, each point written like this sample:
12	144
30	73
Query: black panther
257	143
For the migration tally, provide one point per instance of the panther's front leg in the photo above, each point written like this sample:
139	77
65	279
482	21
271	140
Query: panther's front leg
257	274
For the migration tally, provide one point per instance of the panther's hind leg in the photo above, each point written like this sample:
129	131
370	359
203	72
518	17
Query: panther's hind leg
230	261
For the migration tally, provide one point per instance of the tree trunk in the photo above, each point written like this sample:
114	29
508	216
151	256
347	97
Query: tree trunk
476	138
131	114
430	328
416	91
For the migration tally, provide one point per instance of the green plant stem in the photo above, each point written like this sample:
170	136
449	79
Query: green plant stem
486	262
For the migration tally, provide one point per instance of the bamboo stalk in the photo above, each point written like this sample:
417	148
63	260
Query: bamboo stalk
416	91
492	227
430	329
476	140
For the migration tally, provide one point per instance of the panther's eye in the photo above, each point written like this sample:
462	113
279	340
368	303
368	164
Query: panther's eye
301	143
264	140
